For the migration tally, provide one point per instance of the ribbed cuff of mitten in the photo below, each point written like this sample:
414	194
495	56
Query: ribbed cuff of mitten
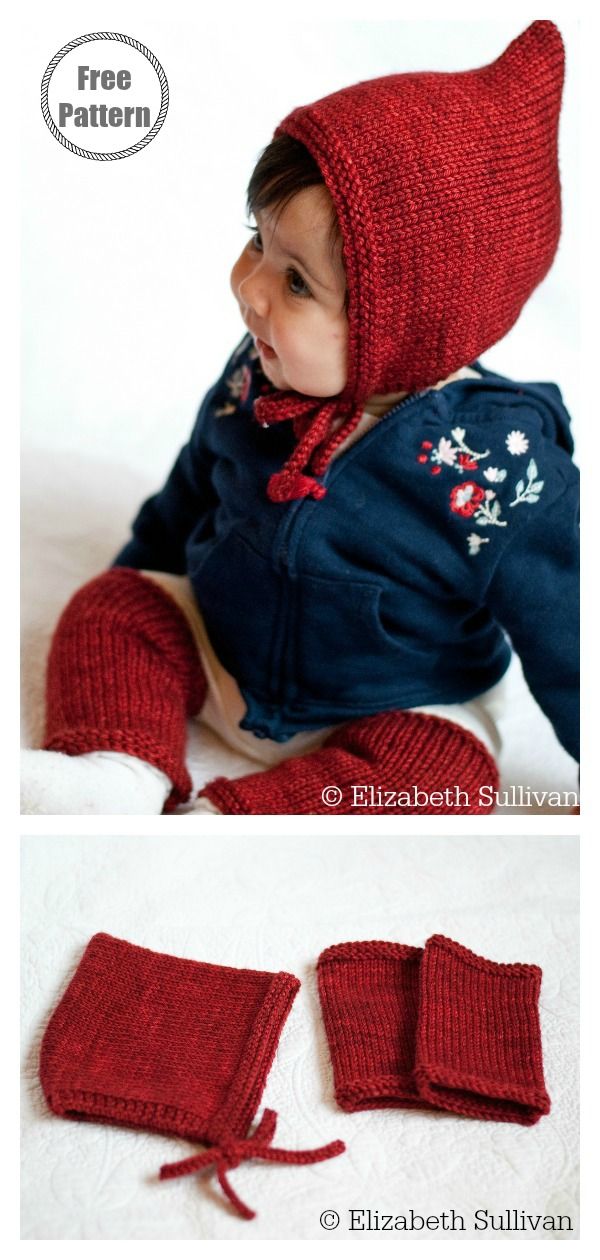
478	1045
290	788
369	993
390	752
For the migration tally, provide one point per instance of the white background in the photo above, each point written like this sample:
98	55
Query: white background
275	902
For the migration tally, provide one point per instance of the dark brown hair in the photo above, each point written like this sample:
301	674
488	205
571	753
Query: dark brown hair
283	169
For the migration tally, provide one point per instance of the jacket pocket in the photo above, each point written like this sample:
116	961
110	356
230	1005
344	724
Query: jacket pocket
342	651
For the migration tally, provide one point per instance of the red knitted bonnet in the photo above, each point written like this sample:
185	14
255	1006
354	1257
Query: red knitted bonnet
447	193
175	1046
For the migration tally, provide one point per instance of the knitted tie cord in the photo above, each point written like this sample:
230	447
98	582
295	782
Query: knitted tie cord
123	675
439	1028
173	1046
446	189
390	751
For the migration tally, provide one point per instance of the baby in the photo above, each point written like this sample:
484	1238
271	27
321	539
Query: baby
365	518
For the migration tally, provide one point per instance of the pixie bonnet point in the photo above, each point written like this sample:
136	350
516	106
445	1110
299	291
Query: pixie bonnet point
447	193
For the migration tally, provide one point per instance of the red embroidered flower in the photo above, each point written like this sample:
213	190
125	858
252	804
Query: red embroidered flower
465	498
466	461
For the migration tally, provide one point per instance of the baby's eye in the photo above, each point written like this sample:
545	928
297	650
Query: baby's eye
256	240
296	284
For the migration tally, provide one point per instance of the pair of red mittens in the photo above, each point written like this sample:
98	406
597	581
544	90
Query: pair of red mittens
435	1028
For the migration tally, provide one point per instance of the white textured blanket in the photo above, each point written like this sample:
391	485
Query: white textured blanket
276	903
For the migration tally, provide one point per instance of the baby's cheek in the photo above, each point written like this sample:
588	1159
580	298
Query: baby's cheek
339	351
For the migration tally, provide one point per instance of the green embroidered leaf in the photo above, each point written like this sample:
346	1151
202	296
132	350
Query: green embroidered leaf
536	487
520	487
532	471
531	498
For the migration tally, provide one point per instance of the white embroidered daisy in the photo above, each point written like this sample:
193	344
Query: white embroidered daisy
516	442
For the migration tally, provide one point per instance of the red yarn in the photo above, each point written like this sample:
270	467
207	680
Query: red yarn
173	1046
123	675
393	752
369	993
258	1146
478	1045
436	1028
312	418
447	193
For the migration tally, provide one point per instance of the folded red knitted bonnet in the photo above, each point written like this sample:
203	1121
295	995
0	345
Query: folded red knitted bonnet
174	1046
446	189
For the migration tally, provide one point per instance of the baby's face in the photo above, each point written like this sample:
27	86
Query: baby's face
290	288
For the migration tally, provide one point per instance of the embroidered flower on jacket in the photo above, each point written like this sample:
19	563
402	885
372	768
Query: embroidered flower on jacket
459	438
489	511
475	542
239	383
469	499
517	443
444	453
465	498
480	503
454	454
529	493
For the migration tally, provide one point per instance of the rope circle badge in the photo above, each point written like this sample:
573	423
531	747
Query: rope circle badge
100	156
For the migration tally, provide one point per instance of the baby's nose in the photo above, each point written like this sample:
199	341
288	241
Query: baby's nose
253	291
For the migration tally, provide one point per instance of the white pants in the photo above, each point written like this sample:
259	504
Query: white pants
224	706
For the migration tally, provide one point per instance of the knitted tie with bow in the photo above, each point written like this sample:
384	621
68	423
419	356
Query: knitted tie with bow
317	439
230	1153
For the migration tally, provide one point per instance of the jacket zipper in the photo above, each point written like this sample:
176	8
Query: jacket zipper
282	567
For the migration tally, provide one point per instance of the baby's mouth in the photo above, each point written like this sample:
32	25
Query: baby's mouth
264	349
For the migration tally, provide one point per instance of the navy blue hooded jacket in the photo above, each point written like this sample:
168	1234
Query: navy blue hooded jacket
448	532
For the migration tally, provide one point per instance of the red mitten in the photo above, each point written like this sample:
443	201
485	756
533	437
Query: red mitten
124	676
180	1047
435	1028
369	994
394	752
478	1047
